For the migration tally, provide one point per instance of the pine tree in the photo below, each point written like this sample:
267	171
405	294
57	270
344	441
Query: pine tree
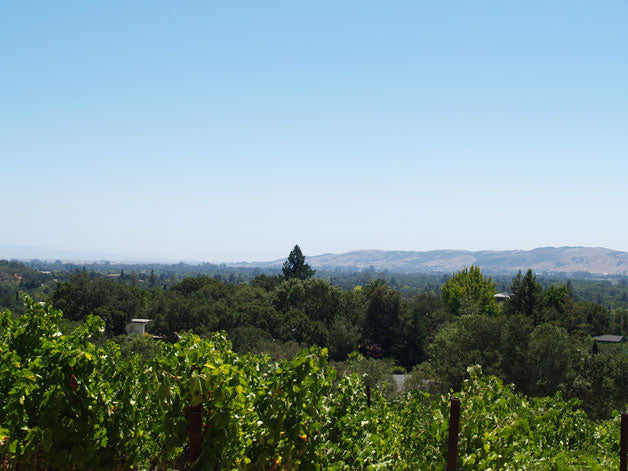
295	266
527	296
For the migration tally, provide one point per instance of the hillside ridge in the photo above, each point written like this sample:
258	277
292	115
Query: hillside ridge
595	260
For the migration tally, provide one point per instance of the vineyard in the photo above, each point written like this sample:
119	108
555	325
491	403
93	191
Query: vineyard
72	401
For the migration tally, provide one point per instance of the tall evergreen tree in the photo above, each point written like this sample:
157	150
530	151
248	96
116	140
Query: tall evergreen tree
527	296
295	266
383	306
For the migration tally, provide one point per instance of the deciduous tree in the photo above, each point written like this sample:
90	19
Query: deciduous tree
468	292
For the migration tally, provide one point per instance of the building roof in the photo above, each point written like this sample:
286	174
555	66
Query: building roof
610	338
140	321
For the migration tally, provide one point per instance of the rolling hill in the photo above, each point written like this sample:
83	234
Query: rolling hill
595	260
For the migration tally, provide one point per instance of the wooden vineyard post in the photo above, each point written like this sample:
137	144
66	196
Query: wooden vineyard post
196	434
454	427
623	443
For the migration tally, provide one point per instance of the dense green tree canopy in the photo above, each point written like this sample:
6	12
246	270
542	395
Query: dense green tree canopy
444	330
469	292
383	306
527	295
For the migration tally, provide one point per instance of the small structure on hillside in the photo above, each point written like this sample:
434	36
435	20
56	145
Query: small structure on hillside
501	297
136	326
610	338
400	380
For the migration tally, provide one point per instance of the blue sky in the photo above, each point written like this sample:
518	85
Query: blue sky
225	131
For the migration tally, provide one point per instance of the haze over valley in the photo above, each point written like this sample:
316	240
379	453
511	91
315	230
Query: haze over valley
548	260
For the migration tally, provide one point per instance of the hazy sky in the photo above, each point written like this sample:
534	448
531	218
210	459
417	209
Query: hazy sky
225	131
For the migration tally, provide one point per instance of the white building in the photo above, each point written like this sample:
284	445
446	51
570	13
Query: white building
136	326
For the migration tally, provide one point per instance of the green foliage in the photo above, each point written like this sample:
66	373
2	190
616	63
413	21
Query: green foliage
295	266
468	292
64	401
550	355
15	278
266	282
343	338
115	303
471	339
502	430
67	404
281	317
377	374
383	306
527	296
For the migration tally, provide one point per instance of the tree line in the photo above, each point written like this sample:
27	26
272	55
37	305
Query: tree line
539	339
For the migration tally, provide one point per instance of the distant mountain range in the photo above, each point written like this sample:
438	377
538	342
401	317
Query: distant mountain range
595	260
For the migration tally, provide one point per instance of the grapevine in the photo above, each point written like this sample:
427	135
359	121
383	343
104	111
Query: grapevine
66	403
